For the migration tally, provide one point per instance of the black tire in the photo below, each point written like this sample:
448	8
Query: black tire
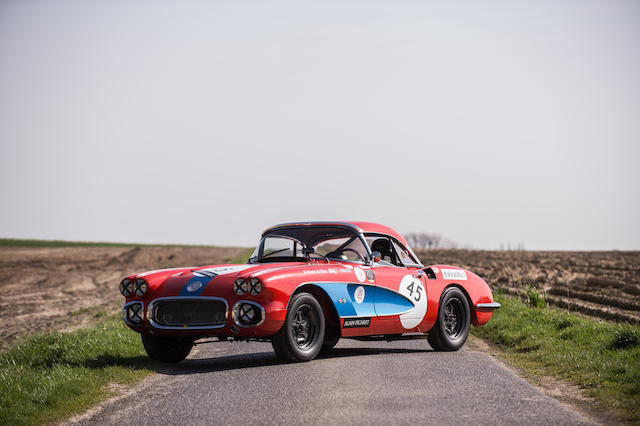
450	331
331	338
166	349
302	334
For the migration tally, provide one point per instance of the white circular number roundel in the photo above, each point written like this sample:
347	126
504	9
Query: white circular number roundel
413	289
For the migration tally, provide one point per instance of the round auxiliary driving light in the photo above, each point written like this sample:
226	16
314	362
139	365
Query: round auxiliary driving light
141	287
134	313
247	314
255	286
126	287
240	287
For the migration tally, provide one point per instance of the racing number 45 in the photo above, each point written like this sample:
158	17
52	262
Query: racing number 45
415	288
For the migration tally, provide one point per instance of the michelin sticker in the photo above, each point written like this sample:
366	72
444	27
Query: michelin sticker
413	289
358	295
454	274
360	274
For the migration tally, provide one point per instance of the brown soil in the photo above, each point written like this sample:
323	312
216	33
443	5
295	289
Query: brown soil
600	284
63	288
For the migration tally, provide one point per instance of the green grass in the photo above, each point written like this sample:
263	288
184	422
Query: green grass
59	243
601	357
53	376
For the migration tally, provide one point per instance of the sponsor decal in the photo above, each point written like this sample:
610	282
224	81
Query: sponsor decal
370	276
356	322
321	271
194	286
360	274
358	295
454	274
413	289
341	300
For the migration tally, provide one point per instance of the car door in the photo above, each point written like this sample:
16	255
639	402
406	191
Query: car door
400	291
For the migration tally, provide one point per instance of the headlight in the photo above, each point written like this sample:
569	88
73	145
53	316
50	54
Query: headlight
255	286
126	287
141	287
240	287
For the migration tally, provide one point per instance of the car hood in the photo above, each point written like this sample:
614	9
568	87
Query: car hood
174	281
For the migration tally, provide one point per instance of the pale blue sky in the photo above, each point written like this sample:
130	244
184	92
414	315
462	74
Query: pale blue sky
207	121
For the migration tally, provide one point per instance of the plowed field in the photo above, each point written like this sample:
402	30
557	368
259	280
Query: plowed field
46	288
43	288
601	284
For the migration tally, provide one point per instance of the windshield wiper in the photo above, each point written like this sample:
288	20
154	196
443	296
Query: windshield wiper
274	252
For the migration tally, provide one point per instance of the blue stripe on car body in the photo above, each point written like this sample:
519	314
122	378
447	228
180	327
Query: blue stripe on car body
196	278
378	301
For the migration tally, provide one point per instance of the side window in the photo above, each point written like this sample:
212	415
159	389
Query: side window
403	255
382	245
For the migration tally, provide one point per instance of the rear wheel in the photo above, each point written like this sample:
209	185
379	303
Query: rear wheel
302	334
452	327
167	349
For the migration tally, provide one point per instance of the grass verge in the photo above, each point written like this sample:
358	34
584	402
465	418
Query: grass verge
603	358
52	376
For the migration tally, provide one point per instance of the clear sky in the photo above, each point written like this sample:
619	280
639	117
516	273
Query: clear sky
207	121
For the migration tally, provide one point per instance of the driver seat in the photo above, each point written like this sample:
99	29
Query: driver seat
383	246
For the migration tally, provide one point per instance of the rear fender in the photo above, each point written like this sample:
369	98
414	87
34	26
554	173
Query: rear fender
475	289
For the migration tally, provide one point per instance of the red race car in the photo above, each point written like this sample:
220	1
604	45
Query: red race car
306	286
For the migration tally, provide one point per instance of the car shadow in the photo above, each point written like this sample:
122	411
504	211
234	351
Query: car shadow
229	362
267	359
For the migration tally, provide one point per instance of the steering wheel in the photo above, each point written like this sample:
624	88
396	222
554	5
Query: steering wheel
354	251
321	256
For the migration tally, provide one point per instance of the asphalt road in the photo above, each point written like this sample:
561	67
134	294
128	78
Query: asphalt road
358	383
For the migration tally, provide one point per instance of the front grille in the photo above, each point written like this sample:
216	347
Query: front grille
200	313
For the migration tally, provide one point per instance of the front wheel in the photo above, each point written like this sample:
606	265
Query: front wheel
167	349
302	334
452	327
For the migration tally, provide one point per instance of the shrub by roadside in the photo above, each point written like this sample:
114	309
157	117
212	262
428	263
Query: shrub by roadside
601	357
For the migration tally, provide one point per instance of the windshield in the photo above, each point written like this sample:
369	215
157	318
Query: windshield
301	243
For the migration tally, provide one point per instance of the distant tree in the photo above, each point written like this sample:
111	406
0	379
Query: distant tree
424	240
